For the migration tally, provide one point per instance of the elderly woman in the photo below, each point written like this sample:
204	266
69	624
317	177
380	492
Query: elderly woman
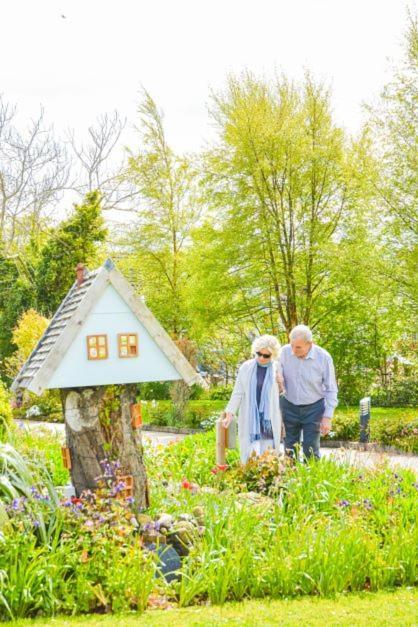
256	397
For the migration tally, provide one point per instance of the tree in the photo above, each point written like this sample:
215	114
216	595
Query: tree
168	210
394	124
394	121
77	239
28	331
282	180
96	165
17	294
33	174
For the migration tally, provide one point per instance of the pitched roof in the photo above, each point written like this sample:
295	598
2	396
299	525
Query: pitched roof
69	317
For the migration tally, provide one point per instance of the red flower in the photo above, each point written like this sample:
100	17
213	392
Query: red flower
186	484
214	470
222	467
75	500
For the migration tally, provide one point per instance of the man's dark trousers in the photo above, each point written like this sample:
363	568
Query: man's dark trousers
304	419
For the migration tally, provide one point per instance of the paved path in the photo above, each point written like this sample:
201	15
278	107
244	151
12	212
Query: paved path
358	458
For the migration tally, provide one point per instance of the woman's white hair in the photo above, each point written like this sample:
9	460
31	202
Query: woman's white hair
268	342
301	332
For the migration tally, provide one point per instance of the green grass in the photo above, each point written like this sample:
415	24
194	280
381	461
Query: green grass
42	447
381	608
334	529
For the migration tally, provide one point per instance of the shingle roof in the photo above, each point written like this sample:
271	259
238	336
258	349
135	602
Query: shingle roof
54	331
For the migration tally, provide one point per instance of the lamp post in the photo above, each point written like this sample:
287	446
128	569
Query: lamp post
365	404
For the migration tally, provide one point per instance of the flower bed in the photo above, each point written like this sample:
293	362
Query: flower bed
267	529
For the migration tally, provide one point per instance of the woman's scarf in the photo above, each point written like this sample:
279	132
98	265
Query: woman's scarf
260	418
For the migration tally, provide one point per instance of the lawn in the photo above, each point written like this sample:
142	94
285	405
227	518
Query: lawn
381	608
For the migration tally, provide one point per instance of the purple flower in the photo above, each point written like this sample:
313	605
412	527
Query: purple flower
367	504
344	503
67	503
36	523
130	499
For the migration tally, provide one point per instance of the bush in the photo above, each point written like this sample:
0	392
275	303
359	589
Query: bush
154	390
390	426
220	393
5	409
46	408
401	393
161	413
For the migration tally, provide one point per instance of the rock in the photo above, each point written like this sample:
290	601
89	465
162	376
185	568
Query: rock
187	517
170	563
199	514
165	520
144	519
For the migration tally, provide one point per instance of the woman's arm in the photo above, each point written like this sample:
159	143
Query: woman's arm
235	400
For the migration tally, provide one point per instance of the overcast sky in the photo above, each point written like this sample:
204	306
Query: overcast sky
79	58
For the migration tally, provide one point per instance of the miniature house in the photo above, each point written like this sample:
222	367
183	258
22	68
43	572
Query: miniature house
103	334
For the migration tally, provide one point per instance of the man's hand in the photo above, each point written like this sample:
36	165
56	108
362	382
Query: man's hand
280	383
227	420
325	427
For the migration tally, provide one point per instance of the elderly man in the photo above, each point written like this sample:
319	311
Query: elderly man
307	379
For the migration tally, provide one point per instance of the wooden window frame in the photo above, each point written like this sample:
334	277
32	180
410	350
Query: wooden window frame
91	358
120	335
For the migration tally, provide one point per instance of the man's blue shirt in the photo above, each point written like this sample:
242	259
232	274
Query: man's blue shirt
308	379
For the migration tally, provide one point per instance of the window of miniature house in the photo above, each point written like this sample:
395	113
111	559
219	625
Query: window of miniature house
128	345
97	347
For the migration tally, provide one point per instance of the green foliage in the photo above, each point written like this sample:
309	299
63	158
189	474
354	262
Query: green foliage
17	295
220	393
167	186
28	331
5	409
76	240
41	448
257	548
154	390
401	391
162	413
390	426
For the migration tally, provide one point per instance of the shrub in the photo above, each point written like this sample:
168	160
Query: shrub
162	413
401	392
220	393
5	409
154	390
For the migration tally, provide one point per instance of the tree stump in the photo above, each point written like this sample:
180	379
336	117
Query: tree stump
98	427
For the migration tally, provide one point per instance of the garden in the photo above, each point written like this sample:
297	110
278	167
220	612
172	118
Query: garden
212	534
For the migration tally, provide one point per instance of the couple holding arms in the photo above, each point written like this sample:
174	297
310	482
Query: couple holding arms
295	383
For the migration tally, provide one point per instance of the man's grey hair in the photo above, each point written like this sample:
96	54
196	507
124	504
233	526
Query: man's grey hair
268	342
301	332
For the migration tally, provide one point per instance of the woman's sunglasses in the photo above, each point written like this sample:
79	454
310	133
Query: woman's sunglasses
263	355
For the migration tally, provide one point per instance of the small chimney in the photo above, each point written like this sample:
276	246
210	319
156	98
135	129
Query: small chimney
81	273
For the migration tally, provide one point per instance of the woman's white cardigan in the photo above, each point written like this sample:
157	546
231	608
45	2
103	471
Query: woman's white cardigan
240	400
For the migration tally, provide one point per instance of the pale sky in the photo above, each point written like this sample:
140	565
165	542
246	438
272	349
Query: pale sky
96	57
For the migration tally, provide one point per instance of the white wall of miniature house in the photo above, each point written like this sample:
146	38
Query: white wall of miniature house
111	316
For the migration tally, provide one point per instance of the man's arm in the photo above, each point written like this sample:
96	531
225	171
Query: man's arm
330	388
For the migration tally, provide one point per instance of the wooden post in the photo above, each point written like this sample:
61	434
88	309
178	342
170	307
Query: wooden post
220	443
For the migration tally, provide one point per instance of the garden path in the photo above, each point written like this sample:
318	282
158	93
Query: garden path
358	458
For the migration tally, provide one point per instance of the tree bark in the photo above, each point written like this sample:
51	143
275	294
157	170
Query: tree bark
98	426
